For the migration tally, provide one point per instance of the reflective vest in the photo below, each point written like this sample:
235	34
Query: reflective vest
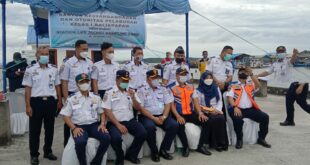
183	99
249	89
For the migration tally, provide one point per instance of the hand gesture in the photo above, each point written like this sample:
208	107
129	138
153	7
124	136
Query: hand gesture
202	117
122	128
29	111
180	120
102	128
77	132
237	112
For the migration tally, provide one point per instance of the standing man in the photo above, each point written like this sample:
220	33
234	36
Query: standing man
186	109
137	69
170	70
82	114
15	71
42	89
282	70
118	105
156	101
202	64
222	70
75	65
241	100
166	60
104	71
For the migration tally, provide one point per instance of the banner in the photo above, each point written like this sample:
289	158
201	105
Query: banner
95	28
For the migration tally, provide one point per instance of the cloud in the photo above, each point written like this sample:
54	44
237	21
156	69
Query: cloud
263	22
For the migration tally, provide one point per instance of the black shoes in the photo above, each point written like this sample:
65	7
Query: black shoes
203	150
34	161
165	155
185	152
119	162
133	160
287	123
239	144
155	157
50	156
263	143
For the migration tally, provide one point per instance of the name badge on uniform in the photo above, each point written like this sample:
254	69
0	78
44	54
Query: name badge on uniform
76	106
102	73
114	97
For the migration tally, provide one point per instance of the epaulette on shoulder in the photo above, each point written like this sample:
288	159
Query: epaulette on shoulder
170	86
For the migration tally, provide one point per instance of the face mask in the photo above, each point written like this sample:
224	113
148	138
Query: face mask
205	56
17	61
110	56
183	79
84	54
124	85
139	58
43	59
84	87
155	83
227	57
281	56
208	81
243	76
179	60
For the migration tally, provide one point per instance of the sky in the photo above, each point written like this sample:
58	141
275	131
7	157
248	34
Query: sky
265	23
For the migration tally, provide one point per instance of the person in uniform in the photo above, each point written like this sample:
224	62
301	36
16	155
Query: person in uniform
156	102
202	63
183	108
137	69
42	89
84	116
179	61
241	100
282	69
74	66
15	71
104	71
210	101
118	104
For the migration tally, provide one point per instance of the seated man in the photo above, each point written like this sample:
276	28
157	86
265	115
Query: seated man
81	116
156	102
241	100
296	92
183	110
118	104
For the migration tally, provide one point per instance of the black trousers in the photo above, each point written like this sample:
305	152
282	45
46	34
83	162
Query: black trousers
301	100
67	128
101	93
256	115
193	118
43	110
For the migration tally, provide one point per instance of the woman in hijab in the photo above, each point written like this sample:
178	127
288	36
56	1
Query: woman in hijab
210	100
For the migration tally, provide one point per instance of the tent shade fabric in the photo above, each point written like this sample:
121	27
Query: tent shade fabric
121	7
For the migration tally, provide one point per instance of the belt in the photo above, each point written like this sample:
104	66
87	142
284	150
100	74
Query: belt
45	98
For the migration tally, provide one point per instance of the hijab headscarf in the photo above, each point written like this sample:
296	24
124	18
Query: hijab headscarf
209	91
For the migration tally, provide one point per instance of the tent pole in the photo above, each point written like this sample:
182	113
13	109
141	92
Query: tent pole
3	3
187	44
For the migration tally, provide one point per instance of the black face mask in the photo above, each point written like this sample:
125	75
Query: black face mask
243	76
179	60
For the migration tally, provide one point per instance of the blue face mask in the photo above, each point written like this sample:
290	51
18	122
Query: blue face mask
124	85
227	57
281	56
43	59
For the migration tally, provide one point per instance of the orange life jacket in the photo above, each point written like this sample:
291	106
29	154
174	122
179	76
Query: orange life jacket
183	99
249	89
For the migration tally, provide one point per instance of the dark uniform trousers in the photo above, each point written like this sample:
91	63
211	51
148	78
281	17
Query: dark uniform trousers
193	118
92	131
43	109
256	115
134	128
301	100
67	128
101	93
170	126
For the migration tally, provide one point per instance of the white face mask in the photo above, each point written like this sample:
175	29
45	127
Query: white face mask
183	79
139	58
84	87
84	54
208	81
155	83
110	56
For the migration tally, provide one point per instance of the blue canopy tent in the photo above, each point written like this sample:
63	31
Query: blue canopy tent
82	7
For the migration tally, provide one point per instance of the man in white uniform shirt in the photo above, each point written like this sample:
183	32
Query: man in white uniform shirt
104	71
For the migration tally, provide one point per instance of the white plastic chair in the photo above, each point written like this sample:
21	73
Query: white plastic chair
69	156
160	133
127	140
192	132
19	119
250	128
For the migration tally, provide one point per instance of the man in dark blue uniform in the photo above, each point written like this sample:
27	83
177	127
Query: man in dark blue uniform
15	71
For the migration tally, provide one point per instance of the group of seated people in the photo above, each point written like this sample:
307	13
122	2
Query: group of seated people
167	107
